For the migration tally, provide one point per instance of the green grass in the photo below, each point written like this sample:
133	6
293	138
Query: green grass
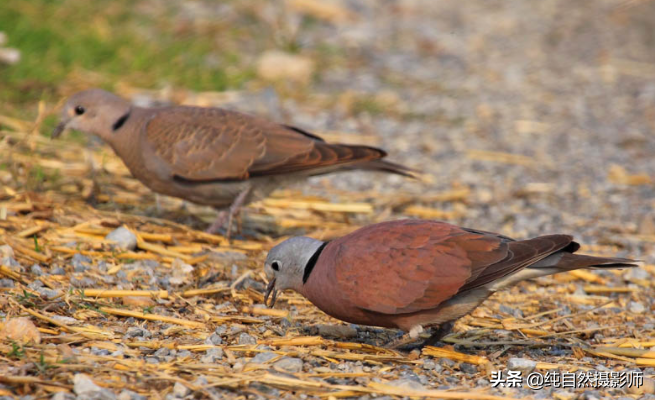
367	104
120	40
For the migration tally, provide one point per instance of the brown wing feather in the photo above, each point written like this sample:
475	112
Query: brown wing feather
520	254
409	265
205	144
323	155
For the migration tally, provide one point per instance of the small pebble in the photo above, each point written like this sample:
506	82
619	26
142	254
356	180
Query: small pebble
6	283
515	312
58	271
102	266
184	353
410	375
214	339
6	251
99	352
161	352
9	55
263	357
35	285
36	270
265	389
66	320
48	293
123	238
235	329
250	283
136	331
201	381
12	264
289	364
84	282
80	262
637	274
447	362
636	307
237	366
468	368
84	386
245	338
216	352
179	390
206	359
429	364
521	364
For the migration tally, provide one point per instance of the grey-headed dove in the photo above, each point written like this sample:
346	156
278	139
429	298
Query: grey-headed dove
211	156
415	274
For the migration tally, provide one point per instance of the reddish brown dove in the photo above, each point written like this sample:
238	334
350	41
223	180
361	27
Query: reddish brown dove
415	274
211	156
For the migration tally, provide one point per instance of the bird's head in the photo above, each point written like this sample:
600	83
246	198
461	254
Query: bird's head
286	264
93	111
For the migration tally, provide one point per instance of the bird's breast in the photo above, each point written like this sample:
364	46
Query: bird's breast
322	290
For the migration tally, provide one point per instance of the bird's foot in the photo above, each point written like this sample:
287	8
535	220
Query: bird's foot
408	341
228	215
403	341
439	333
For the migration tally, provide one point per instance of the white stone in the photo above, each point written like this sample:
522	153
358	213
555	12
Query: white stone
84	385
123	238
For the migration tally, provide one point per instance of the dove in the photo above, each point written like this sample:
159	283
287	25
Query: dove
416	274
212	156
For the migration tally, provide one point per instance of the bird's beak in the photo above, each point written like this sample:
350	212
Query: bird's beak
59	129
270	289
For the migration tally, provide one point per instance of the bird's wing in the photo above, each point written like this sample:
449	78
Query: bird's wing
211	144
412	265
520	254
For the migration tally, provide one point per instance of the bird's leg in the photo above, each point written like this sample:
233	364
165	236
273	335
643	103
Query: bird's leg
235	208
439	333
218	222
229	214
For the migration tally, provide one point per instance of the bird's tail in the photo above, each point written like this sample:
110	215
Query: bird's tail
563	261
385	166
571	261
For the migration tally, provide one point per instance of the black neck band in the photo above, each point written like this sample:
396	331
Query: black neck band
120	122
312	263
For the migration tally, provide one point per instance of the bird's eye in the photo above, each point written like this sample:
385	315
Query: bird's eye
275	265
79	110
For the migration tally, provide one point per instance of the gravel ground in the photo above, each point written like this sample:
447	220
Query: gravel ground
542	112
570	87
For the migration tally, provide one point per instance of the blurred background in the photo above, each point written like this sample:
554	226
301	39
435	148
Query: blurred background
535	117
